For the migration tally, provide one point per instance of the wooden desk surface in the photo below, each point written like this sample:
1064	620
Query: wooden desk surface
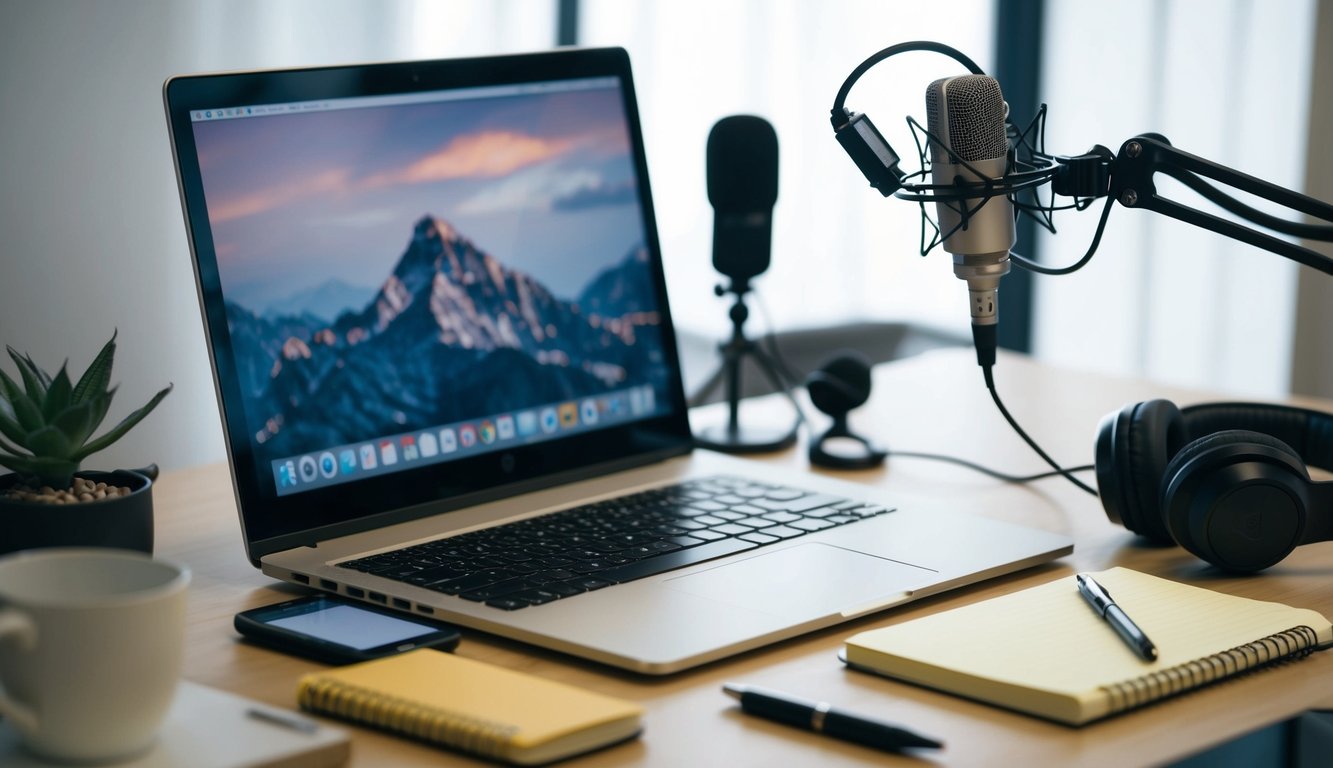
932	403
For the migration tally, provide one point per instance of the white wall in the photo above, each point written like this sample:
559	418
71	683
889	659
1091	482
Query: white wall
91	233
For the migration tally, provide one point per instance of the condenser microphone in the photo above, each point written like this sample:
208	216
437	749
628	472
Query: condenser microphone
966	119
742	188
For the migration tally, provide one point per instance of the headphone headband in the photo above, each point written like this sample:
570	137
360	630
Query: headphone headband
1308	432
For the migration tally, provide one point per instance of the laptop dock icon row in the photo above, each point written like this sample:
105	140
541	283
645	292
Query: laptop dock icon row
437	444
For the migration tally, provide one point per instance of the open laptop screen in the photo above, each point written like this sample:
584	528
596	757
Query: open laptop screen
423	281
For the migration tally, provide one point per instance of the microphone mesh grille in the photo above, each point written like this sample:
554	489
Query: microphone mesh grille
976	111
937	155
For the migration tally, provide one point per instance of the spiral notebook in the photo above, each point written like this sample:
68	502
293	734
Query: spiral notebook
1045	652
459	703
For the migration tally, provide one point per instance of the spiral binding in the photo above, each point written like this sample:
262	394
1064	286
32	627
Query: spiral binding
430	724
1293	643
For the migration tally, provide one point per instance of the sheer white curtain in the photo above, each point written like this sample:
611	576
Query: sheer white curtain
93	237
1228	80
314	32
840	251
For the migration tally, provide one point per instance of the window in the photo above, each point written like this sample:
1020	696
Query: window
1230	82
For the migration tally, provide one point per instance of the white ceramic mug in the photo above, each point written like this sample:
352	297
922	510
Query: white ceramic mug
90	649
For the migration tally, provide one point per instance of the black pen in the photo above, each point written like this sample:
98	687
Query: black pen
1101	602
820	717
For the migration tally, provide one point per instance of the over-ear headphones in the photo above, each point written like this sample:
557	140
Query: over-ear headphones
1226	481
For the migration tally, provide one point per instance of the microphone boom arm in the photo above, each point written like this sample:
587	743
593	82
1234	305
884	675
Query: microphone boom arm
1143	156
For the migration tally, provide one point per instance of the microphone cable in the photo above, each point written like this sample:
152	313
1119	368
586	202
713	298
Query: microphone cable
1042	269
1008	478
995	395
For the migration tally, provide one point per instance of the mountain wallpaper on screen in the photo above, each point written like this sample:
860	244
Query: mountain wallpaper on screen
451	334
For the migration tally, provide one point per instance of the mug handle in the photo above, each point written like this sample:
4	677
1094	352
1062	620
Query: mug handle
19	625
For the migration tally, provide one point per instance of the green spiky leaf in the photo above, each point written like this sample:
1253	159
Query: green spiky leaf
42	375
76	422
95	380
9	424
9	389
57	396
26	412
101	404
49	441
46	470
21	464
120	429
11	450
34	378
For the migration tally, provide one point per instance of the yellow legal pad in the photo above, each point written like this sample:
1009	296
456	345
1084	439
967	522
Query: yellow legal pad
471	706
1044	651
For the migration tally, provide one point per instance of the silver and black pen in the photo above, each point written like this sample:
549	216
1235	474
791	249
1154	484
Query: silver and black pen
820	717
1101	602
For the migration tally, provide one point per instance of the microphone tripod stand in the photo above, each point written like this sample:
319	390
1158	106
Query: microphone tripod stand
732	437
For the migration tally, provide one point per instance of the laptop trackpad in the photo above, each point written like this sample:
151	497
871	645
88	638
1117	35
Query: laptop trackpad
805	581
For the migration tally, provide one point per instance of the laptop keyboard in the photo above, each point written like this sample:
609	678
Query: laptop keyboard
578	550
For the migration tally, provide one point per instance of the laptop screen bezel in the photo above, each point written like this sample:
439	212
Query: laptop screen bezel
271	522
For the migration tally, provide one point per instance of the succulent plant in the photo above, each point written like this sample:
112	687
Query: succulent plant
46	425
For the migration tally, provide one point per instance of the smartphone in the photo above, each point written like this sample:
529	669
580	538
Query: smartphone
337	631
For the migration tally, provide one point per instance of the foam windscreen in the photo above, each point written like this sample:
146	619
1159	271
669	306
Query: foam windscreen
742	165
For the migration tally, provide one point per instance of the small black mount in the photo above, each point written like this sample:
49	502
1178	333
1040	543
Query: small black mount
837	388
733	437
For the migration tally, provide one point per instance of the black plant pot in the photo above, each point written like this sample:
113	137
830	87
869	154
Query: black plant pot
121	522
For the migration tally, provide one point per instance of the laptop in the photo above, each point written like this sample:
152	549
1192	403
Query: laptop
449	382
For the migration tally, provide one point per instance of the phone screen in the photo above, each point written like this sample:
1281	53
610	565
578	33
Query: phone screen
346	624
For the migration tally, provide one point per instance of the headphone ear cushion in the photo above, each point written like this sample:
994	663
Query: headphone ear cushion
1134	447
1239	533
